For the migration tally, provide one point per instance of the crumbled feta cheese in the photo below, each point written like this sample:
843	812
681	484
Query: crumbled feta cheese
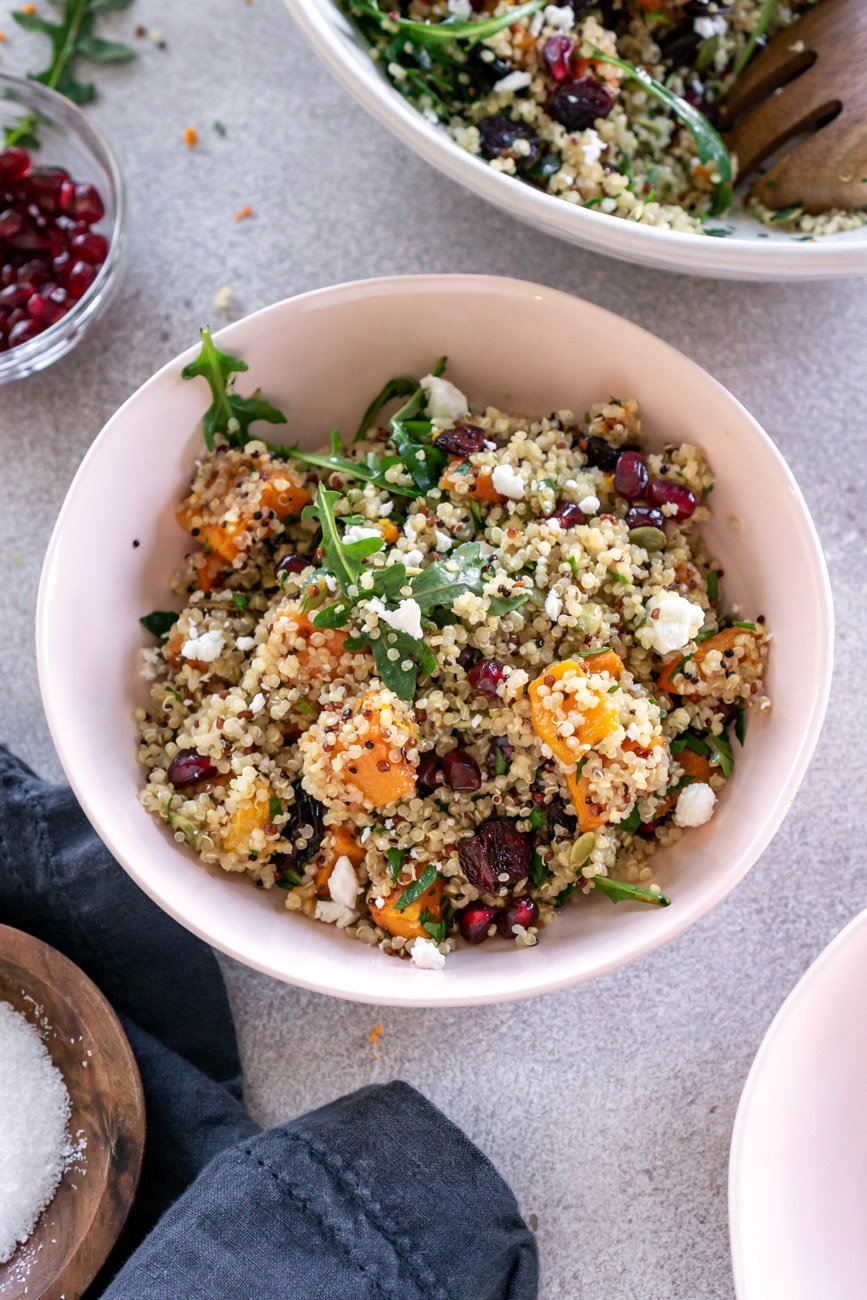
672	621
387	508
695	805
330	582
508	483
489	445
427	955
591	146
379	902
443	541
537	22
406	618
245	643
570	483
413	559
257	703
553	605
365	835
334	913
516	80
710	25
561	20
460	8
358	533
206	648
151	663
342	883
444	401
589	504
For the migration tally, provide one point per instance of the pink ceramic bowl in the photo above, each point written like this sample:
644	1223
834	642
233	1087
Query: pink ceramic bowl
321	356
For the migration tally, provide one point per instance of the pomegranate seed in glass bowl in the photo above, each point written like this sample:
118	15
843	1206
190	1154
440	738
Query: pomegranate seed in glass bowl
62	224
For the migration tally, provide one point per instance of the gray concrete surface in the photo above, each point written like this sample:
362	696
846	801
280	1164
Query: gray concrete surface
608	1108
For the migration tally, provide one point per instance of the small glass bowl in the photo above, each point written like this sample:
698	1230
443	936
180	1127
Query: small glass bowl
67	140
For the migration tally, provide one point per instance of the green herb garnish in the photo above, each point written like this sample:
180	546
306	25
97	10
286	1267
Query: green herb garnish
501	605
631	823
275	807
400	386
619	892
396	859
710	146
722	756
418	887
160	622
741	726
240	599
538	871
619	577
689	740
713	586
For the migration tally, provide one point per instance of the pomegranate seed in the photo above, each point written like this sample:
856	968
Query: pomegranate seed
15	316
23	331
474	921
49	305
187	767
82	202
568	515
556	52
644	517
45	184
496	849
630	476
522	911
61	266
34	273
485	676
8	274
88	246
14	165
429	773
462	440
12	222
663	491
290	563
14	295
461	771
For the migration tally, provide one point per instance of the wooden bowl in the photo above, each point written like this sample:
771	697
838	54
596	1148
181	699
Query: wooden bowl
75	1233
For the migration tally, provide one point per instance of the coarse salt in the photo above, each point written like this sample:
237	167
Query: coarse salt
35	1146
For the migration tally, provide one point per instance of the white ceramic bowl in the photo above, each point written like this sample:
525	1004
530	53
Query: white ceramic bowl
798	1169
750	253
321	356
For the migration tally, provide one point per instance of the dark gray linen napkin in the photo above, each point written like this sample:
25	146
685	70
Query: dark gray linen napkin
375	1195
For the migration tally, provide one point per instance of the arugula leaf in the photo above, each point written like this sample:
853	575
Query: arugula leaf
332	616
619	892
396	859
160	622
217	368
340	561
456	29
442	582
394	675
72	38
689	740
763	22
710	146
500	605
722	755
565	894
631	823
400	386
418	887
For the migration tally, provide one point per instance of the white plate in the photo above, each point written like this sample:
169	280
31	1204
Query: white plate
752	253
798	1168
320	357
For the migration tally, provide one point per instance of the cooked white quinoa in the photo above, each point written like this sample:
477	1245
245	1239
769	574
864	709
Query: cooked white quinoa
552	746
632	158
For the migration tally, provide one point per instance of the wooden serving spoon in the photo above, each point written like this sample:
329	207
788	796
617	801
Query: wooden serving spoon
808	80
76	1231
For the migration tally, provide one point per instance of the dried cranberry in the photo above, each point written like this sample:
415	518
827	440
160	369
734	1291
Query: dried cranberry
522	911
14	165
89	247
497	138
556	52
485	676
428	774
462	440
500	755
664	491
578	104
568	515
600	453
496	850
644	517
461	771
475	920
82	202
291	563
187	767
630	476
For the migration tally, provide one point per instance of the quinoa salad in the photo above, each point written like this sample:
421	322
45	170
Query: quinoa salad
609	105
433	683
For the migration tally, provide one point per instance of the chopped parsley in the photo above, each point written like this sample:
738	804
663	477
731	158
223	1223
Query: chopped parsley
418	887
